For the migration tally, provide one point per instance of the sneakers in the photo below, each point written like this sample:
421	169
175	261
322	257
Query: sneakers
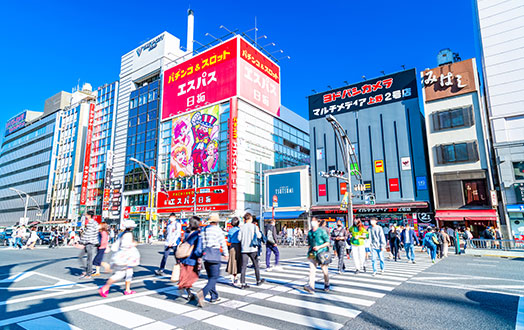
357	271
268	269
260	282
364	269
244	286
159	272
382	271
374	274
308	289
127	293
413	261
103	293
215	300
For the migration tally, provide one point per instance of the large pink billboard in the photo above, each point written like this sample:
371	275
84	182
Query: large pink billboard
200	81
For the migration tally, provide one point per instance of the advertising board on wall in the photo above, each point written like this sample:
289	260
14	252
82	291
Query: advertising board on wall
392	88
233	153
232	68
207	199
194	143
286	187
15	123
87	158
449	80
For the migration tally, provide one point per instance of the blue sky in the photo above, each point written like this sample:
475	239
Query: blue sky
48	46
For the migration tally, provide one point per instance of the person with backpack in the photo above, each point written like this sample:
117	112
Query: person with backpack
378	245
394	242
234	262
249	237
358	234
213	248
271	245
431	242
318	255
188	254
339	236
467	236
174	233
98	261
89	241
125	257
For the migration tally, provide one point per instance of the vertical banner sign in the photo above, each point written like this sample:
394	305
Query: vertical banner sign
152	192
233	152
393	185
106	200
89	138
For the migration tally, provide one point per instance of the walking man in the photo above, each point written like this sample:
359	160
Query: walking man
248	235
90	241
378	244
174	231
339	236
271	245
409	238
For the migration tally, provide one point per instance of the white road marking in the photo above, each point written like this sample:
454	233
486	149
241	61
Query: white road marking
118	316
346	312
519	325
163	304
259	295
227	322
159	325
235	304
291	317
200	314
352	291
334	297
47	322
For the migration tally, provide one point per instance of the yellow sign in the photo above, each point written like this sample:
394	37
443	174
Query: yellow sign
379	166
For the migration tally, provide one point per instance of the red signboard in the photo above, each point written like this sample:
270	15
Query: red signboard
205	79
393	185
233	153
258	79
89	137
322	190
343	188
208	199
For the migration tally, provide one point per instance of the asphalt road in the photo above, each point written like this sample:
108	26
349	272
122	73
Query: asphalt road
41	289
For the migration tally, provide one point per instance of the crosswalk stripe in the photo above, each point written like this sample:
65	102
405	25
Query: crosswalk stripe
353	291
334	297
159	325
291	317
227	322
363	285
227	289
118	316
346	312
47	322
200	314
375	280
285	275
163	304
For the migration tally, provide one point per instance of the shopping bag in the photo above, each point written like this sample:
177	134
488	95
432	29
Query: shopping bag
175	274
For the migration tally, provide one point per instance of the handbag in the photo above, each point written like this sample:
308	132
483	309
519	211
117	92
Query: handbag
212	255
184	250
175	274
324	258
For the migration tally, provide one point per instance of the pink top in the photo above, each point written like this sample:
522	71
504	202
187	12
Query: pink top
104	240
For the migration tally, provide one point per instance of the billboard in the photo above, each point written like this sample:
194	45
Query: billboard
233	152
286	187
194	143
208	199
87	158
392	88
449	80
233	68
15	123
204	79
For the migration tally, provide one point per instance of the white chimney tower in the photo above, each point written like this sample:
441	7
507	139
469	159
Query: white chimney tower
190	30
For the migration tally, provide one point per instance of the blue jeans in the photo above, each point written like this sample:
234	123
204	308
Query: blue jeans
213	273
377	253
271	248
432	251
410	251
167	250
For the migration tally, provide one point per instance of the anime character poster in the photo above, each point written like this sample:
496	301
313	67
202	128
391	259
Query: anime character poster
194	143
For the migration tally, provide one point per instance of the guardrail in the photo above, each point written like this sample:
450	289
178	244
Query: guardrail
496	244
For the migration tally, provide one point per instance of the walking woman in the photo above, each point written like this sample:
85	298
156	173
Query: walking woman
358	235
234	263
190	251
318	255
103	235
394	242
213	247
431	241
126	256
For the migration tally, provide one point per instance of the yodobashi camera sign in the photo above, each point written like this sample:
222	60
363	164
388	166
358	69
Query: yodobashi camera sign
286	187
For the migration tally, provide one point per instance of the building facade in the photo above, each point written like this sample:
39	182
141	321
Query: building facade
501	33
458	147
27	161
383	121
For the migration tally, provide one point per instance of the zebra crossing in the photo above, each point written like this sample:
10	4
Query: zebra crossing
280	303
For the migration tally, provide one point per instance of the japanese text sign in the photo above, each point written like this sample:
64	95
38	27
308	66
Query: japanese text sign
393	185
449	80
379	166
388	89
206	78
87	158
207	199
15	123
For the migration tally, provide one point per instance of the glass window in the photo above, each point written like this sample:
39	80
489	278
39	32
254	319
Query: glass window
461	152
518	168
475	192
445	119
449	153
457	118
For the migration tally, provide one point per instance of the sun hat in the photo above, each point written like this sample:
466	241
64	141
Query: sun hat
129	224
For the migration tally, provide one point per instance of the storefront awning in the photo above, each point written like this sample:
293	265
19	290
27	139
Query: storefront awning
461	215
285	215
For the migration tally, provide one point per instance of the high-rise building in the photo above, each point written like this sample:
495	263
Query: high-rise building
101	153
383	120
69	193
501	35
459	147
27	162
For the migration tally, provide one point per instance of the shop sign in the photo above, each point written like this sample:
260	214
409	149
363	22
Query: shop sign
204	79
321	190
207	199
406	163
384	90
519	192
233	153
379	166
367	186
287	188
449	80
150	45
15	123
494	198
422	183
343	188
424	217
393	185
320	153
87	158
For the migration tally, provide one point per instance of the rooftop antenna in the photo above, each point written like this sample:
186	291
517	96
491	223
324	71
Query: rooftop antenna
199	43
212	36
363	77
383	73
314	91
269	44
329	86
346	82
286	57
277	51
225	28
256	29
403	67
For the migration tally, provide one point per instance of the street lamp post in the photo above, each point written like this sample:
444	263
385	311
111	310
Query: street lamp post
27	197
